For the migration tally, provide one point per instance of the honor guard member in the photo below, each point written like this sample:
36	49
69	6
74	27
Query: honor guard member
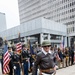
25	59
16	62
44	60
11	62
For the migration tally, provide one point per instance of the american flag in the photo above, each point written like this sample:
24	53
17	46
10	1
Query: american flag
6	60
19	47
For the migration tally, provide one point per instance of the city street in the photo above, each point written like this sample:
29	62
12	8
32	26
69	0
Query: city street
67	71
64	71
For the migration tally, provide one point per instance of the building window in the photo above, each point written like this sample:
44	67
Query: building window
55	37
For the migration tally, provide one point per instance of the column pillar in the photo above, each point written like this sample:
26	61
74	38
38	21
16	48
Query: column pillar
49	37
69	38
41	38
65	44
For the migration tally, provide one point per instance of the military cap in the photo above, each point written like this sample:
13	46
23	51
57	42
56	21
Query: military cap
46	43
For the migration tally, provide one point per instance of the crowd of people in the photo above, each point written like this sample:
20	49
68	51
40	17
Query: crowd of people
45	59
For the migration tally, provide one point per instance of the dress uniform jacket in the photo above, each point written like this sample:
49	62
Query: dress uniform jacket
16	64
25	60
24	56
11	64
45	62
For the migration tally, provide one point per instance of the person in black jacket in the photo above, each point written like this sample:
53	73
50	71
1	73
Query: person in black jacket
44	61
11	62
16	62
25	59
72	56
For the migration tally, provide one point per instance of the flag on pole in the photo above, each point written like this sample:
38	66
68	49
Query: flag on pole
6	60
19	44
19	47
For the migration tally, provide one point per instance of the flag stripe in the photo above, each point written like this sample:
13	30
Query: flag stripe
6	60
19	47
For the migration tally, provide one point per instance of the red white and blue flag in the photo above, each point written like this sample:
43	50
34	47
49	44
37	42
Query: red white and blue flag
19	47
6	60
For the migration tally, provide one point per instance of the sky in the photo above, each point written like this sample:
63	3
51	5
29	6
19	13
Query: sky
10	8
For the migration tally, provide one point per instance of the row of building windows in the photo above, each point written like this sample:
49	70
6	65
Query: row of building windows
70	23
63	1
63	13
58	2
73	3
34	13
51	11
66	18
32	3
35	8
37	2
63	7
70	30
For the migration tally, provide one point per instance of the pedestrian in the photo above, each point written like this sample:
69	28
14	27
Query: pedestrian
72	56
60	53
25	59
11	62
44	61
16	62
67	56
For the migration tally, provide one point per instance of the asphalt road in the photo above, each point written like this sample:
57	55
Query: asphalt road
64	71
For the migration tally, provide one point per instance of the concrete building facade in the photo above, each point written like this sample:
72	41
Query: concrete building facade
38	30
62	11
2	22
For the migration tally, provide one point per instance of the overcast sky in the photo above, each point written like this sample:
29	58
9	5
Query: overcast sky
10	8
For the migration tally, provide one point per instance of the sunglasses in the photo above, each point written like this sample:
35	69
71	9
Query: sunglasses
46	46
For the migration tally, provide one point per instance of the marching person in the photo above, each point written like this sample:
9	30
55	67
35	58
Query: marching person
25	59
44	61
11	62
16	62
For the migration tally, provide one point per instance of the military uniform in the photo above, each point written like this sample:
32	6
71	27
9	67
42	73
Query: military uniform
44	61
11	62
16	64
25	60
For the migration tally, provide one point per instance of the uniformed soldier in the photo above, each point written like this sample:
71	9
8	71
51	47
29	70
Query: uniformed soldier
11	62
25	59
2	63
44	60
16	62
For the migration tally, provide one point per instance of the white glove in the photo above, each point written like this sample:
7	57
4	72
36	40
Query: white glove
14	67
22	63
